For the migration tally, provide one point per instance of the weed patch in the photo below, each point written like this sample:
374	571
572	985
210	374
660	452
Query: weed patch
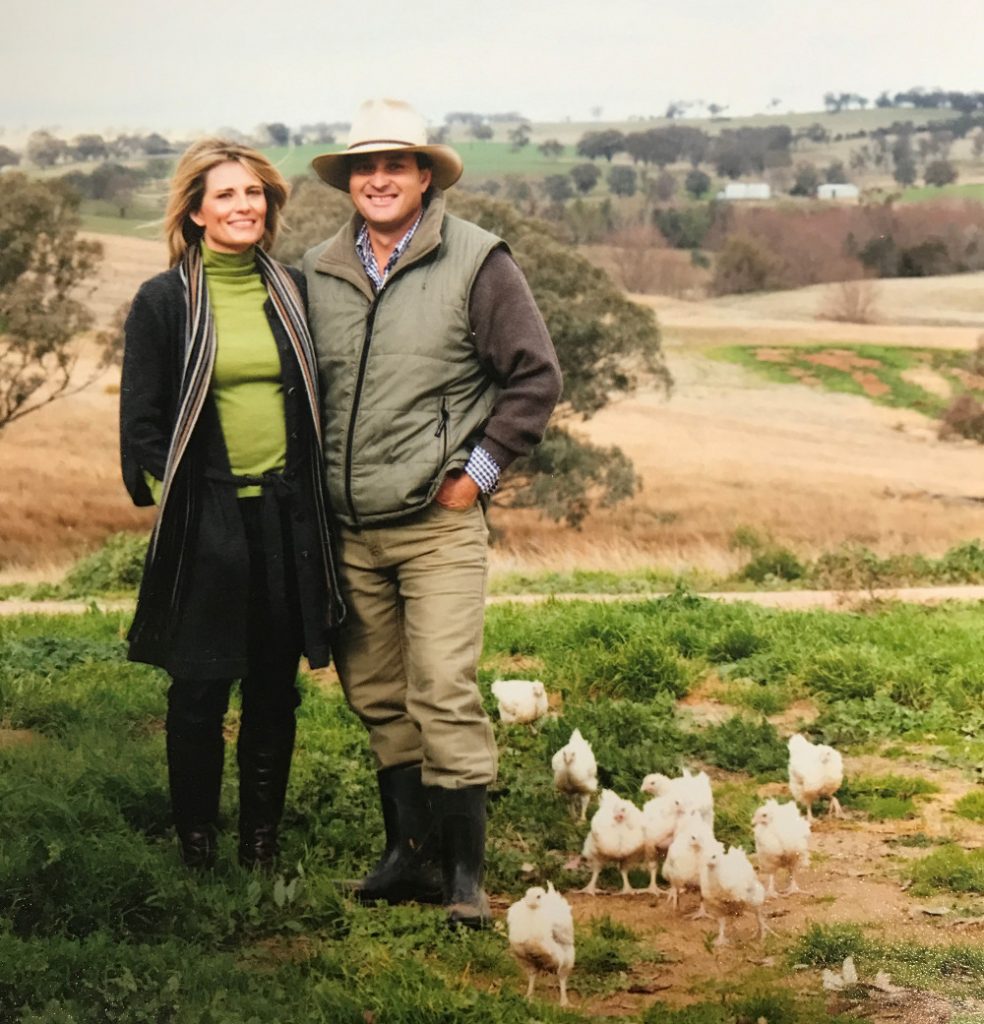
950	869
970	806
886	797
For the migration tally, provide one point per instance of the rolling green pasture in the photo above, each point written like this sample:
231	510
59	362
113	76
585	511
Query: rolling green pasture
970	191
99	922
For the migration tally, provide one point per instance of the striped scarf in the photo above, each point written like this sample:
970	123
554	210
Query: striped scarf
196	378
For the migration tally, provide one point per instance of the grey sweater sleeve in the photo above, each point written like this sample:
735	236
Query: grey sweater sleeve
512	342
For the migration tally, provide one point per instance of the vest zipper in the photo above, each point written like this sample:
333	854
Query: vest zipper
442	431
359	382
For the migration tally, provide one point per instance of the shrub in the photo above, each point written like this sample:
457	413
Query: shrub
844	674
940	172
697	183
773	563
851	302
117	565
828	945
622	180
741	744
963	417
744	265
687	227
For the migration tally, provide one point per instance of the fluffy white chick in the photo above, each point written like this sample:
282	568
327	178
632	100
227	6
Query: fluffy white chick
617	837
782	842
541	935
815	771
576	773
693	791
520	700
729	887
660	818
681	868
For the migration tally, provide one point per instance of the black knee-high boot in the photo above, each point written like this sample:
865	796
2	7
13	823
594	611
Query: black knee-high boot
195	754
264	753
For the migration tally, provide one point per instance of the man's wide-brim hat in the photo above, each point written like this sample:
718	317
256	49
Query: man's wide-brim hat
384	126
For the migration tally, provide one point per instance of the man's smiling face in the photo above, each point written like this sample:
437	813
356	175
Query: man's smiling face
388	189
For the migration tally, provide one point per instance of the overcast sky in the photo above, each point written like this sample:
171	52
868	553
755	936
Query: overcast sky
186	66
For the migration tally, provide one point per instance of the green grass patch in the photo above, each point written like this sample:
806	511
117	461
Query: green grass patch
949	869
922	193
591	581
952	969
886	797
757	697
970	806
871	371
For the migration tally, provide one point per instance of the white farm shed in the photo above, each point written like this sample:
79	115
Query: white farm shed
746	190
840	191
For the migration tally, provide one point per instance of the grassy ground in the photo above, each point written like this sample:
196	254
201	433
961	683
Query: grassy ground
99	923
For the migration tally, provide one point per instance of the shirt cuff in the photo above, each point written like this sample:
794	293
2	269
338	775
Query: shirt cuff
483	469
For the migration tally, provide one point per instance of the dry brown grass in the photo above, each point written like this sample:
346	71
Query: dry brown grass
812	469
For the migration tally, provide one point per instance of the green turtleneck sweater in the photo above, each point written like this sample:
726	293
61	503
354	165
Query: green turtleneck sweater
246	380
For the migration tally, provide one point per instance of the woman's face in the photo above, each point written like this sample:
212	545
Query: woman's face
233	210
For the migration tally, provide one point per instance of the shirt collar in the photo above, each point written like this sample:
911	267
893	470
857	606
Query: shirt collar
368	258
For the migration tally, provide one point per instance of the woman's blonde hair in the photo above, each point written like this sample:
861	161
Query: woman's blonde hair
188	189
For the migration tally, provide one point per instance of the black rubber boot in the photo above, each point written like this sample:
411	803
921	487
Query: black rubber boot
408	870
264	753
194	769
462	819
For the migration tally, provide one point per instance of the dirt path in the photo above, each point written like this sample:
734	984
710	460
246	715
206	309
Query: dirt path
787	600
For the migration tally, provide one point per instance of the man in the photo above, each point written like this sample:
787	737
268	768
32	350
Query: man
437	372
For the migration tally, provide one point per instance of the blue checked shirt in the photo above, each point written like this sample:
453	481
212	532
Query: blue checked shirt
481	467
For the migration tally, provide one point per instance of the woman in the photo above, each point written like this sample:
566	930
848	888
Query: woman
219	418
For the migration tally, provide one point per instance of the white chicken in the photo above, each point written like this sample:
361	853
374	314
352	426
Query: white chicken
520	700
815	771
681	868
660	818
729	887
576	773
541	935
616	837
782	842
693	791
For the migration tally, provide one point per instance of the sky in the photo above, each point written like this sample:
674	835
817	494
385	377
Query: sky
182	67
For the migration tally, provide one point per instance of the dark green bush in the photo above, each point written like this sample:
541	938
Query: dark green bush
773	563
117	565
741	744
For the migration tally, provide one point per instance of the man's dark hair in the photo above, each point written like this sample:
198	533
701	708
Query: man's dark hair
424	162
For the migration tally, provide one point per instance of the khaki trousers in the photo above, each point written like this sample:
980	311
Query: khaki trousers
407	653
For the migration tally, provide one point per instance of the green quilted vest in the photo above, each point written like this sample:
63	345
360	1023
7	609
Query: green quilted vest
405	398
